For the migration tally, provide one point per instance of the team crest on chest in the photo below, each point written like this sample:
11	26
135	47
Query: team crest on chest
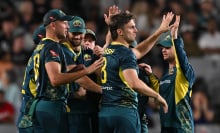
87	57
171	71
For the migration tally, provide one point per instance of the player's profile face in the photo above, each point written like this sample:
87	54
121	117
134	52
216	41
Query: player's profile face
130	31
61	28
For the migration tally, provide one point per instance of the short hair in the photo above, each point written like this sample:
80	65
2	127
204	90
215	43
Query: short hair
118	21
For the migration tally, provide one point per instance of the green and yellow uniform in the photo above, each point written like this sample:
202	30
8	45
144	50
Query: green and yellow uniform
119	101
176	87
83	110
50	114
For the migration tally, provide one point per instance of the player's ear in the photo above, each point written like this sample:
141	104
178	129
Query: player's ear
119	31
53	24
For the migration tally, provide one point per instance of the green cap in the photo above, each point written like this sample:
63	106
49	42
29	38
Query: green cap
55	14
90	32
77	24
166	42
39	33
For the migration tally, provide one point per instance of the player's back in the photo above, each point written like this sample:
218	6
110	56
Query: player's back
116	91
29	82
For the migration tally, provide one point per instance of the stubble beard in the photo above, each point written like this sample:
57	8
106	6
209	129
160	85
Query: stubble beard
75	44
60	36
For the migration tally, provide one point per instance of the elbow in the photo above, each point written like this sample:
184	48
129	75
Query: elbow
133	85
54	82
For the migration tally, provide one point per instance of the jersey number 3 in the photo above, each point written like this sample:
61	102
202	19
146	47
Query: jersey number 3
103	71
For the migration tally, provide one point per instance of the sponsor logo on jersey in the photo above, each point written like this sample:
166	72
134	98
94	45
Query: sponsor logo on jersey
165	82
109	51
107	88
53	53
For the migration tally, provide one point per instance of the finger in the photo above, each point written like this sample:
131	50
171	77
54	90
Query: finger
147	67
105	16
127	11
115	9
165	108
142	65
100	60
119	10
171	26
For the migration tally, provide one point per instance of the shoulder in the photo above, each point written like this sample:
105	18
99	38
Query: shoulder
122	50
49	43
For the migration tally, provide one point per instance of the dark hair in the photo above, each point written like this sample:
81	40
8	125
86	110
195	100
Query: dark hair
118	21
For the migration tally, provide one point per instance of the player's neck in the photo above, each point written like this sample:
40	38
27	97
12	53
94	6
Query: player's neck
172	64
77	48
122	41
52	36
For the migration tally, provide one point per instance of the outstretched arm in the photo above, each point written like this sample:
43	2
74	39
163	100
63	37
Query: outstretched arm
181	57
113	10
145	46
174	29
135	83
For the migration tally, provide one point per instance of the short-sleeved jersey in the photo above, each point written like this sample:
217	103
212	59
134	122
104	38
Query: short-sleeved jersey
85	57
92	98
70	55
29	89
71	58
51	52
116	91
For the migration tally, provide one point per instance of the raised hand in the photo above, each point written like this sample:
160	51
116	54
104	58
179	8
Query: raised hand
165	24
174	29
113	10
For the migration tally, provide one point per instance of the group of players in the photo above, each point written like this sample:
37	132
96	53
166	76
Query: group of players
72	85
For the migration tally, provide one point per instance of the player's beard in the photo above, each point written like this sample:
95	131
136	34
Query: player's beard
60	36
129	40
74	43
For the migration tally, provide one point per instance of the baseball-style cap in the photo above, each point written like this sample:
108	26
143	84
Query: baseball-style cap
92	33
77	24
38	34
166	42
55	14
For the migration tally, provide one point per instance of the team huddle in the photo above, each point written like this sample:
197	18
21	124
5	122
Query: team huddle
72	85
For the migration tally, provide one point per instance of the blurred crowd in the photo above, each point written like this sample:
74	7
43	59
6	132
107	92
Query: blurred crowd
199	29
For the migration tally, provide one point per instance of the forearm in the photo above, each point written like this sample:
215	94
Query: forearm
145	46
64	78
142	88
88	84
107	39
183	61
